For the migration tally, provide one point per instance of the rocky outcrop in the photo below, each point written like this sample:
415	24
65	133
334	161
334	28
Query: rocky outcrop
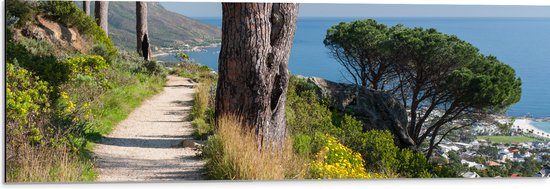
376	109
68	39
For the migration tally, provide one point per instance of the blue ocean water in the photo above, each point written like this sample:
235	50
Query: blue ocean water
523	43
544	126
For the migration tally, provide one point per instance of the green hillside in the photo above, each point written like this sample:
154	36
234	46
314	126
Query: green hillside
166	29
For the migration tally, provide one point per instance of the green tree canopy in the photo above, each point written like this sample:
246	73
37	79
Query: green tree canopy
360	47
439	77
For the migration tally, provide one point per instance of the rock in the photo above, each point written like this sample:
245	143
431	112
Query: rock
191	144
376	109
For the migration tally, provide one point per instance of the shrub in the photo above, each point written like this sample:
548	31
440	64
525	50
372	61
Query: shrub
305	113
86	65
193	71
26	95
377	148
154	68
43	63
412	165
27	103
336	161
19	12
69	14
232	153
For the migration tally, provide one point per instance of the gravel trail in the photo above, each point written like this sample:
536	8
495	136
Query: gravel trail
147	146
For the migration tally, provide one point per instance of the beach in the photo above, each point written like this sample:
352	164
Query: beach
525	124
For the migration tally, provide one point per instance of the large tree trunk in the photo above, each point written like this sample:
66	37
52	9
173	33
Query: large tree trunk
141	30
86	7
253	66
101	15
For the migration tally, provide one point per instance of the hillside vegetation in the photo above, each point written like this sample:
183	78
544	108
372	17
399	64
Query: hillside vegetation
65	90
166	29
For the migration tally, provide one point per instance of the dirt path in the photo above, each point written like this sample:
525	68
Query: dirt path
147	146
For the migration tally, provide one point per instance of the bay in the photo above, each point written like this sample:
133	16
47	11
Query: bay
523	43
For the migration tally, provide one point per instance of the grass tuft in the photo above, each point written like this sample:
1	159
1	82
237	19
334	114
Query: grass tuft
232	153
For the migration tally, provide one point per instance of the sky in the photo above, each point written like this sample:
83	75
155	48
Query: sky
205	9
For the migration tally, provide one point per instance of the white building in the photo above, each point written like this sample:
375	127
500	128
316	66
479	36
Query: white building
470	175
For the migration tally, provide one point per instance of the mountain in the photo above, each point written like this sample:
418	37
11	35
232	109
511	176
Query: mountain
166	28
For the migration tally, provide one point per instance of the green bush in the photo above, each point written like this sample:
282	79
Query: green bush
336	161
27	103
35	56
412	165
303	144
193	71
377	148
69	14
305	112
86	65
19	12
154	68
308	118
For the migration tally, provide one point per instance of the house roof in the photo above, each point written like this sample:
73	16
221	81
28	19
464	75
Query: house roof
492	163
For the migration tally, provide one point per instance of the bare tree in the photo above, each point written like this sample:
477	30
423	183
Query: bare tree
101	15
143	46
253	66
86	7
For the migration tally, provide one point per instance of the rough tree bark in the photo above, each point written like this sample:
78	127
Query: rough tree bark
86	7
101	15
141	30
253	66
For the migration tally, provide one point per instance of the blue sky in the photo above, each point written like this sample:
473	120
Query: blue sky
205	9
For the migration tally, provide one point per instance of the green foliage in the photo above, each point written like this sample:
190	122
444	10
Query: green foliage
412	165
528	168
86	65
35	56
427	69
377	148
196	72
361	47
303	144
19	12
309	118
454	168
336	161
26	95
154	68
488	151
69	14
305	113
202	112
202	128
486	84
509	139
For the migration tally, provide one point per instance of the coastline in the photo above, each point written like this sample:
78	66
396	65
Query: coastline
187	49
525	124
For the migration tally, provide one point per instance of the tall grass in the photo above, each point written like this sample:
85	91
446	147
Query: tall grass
233	154
48	164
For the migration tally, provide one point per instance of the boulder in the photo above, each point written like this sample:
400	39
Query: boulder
376	109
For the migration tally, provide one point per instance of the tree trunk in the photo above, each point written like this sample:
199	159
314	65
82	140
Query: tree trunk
143	46
86	7
101	15
253	66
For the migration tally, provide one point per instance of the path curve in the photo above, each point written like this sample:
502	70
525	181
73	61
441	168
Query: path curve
147	146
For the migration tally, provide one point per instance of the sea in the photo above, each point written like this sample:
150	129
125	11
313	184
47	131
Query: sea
523	43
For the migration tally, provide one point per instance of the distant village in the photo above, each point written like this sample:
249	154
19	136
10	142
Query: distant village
479	154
